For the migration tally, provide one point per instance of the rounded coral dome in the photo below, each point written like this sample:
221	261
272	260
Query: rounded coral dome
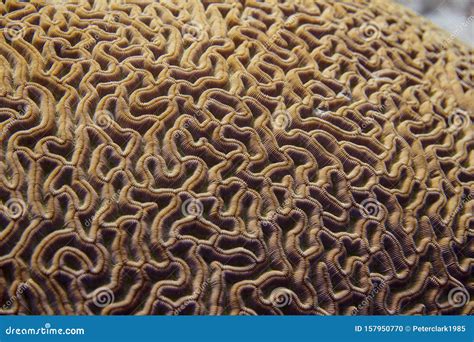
234	157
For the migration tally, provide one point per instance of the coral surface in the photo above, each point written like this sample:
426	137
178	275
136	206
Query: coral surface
234	157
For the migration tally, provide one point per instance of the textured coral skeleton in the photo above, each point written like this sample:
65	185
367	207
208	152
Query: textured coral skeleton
234	157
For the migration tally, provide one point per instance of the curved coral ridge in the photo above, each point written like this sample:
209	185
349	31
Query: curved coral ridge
113	115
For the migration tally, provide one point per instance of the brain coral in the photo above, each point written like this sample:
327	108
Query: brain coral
234	157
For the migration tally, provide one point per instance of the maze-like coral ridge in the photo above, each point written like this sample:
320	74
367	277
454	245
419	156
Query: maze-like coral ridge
234	157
